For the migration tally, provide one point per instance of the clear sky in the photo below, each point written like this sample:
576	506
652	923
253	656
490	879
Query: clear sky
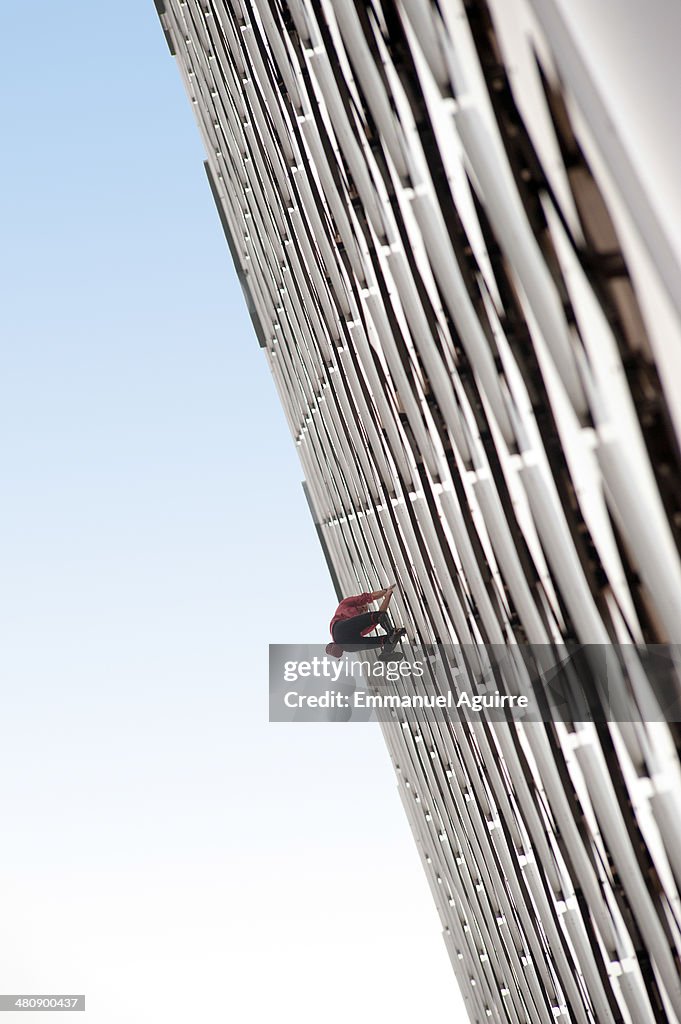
165	850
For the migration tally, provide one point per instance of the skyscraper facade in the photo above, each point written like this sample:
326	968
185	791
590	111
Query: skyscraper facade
457	245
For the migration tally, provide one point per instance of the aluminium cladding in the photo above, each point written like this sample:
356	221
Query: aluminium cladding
472	313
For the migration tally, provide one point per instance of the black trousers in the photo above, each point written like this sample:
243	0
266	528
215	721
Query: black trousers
348	632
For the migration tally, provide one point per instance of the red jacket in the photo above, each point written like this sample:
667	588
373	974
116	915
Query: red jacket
350	607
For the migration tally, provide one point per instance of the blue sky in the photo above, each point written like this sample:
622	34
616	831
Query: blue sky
166	851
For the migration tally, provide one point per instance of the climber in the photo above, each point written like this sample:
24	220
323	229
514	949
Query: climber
352	621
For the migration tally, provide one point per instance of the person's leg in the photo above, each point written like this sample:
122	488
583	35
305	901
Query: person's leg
348	632
383	619
391	640
393	633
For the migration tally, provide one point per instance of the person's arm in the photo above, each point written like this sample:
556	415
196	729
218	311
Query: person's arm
387	597
358	601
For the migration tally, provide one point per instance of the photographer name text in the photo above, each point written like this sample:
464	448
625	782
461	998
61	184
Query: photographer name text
381	701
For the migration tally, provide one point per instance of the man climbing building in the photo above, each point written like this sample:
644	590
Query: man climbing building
352	621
